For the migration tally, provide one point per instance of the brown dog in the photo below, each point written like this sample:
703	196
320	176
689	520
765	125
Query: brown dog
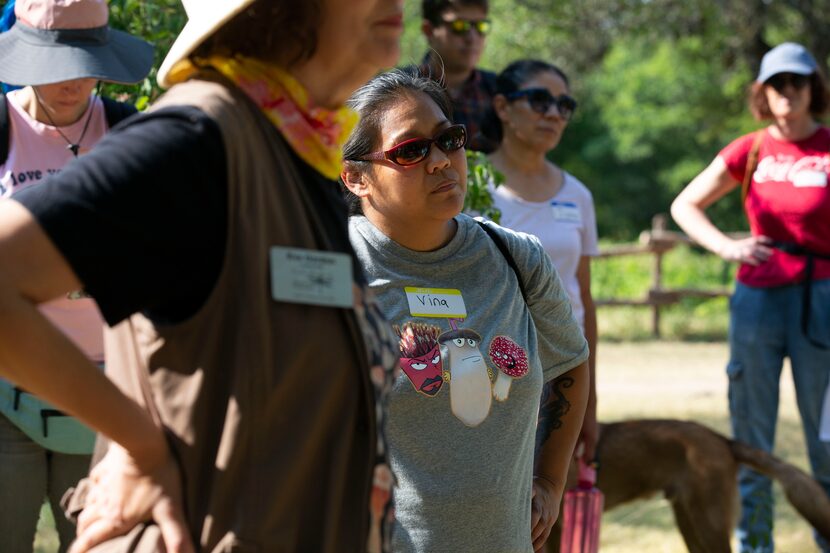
696	470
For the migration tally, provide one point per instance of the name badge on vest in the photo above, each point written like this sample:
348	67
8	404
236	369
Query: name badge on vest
311	277
566	212
436	302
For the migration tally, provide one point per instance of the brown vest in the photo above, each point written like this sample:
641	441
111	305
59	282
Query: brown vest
269	405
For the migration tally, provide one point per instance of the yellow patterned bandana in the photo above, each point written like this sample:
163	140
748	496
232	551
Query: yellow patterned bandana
316	134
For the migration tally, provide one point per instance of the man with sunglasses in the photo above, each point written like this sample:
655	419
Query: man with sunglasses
456	31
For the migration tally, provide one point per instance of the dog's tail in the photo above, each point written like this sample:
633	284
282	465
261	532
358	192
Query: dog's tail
802	491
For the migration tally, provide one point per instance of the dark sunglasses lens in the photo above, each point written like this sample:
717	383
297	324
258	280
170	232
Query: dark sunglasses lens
799	81
452	139
566	106
540	100
780	81
412	152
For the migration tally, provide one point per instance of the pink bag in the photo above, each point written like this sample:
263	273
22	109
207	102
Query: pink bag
581	514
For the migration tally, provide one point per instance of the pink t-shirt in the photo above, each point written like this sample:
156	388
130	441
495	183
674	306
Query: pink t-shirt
788	201
37	150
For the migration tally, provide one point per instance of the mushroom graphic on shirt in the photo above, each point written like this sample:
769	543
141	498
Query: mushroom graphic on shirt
421	356
470	387
511	361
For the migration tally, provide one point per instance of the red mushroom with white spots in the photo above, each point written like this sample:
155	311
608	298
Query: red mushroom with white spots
511	361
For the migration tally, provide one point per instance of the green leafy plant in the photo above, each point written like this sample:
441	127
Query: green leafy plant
480	174
157	22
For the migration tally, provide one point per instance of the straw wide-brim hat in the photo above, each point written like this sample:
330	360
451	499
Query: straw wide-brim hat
61	40
204	17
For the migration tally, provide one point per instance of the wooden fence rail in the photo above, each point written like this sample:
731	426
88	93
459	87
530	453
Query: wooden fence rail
657	242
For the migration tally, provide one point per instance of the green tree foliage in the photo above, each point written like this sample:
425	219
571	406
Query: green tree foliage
157	22
481	175
661	85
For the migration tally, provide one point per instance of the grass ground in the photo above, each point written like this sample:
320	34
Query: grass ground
661	379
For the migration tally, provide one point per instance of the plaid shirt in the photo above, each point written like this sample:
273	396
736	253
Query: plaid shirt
472	105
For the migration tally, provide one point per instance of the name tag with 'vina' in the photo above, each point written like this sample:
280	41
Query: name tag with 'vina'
436	302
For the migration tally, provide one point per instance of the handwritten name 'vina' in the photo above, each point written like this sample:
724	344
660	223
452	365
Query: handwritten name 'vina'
432	302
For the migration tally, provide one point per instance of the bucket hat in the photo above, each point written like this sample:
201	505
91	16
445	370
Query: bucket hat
204	18
60	40
787	57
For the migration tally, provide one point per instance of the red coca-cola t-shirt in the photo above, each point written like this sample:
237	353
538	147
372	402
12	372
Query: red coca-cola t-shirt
788	201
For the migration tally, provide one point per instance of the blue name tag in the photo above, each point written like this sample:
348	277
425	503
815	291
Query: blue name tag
566	212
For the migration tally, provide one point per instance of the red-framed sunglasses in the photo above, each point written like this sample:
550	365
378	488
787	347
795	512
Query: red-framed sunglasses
415	150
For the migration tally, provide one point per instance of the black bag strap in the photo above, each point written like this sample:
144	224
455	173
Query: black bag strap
114	111
5	130
806	296
494	236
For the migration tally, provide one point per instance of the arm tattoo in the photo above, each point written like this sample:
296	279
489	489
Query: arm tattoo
552	407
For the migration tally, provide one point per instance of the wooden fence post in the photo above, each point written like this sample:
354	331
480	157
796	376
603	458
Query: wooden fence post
658	226
658	241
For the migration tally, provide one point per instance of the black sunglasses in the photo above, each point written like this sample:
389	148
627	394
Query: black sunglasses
415	150
463	26
540	100
779	81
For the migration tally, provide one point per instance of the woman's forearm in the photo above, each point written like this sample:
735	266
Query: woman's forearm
689	208
37	357
560	419
694	222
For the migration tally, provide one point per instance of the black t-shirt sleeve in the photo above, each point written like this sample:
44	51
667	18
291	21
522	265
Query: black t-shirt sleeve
142	218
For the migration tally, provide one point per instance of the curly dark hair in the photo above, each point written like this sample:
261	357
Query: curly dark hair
819	98
432	10
285	30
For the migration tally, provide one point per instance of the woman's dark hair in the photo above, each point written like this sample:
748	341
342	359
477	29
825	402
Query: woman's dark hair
819	98
284	30
372	100
513	78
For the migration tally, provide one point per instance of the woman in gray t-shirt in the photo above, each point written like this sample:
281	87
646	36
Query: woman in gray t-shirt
494	364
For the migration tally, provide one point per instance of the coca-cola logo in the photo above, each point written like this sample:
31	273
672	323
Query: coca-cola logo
804	171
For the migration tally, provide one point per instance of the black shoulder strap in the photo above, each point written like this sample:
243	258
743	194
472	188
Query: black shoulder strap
5	130
494	236
115	111
490	81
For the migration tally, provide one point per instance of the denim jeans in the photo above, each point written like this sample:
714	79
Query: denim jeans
29	474
765	327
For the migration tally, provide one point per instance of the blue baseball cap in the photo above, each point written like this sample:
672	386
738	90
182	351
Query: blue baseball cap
788	57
